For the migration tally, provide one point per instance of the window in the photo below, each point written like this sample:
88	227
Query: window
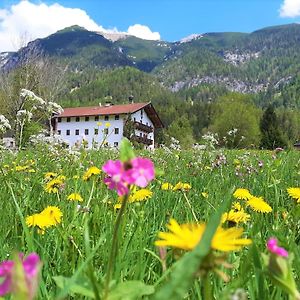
117	117
96	132
87	119
141	114
96	118
68	119
77	132
116	130
77	119
68	132
116	144
59	132
106	131
106	118
141	134
86	131
58	120
134	119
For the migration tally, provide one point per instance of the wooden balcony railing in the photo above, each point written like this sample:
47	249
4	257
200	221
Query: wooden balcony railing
143	140
143	127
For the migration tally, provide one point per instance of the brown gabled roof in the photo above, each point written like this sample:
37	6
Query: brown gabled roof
112	110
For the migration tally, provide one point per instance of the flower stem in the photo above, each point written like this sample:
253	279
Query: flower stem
113	250
207	288
190	206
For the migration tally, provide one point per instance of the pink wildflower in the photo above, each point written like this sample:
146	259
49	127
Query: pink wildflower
142	171
116	180
30	267
273	248
138	171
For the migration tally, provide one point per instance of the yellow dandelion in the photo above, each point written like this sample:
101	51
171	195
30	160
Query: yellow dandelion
21	168
140	195
180	186
236	162
50	175
259	205
53	213
166	186
75	197
235	217
54	185
38	220
187	236
117	206
99	124
107	124
61	177
204	195
237	206
294	193
91	172
242	194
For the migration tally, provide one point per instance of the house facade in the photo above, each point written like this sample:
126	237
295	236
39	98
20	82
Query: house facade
105	125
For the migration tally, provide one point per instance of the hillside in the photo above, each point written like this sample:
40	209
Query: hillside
259	62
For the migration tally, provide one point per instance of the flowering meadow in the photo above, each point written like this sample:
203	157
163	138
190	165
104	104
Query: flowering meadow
168	224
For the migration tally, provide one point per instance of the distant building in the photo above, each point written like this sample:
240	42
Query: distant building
297	145
8	140
104	125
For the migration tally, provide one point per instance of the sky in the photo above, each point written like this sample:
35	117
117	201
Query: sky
170	20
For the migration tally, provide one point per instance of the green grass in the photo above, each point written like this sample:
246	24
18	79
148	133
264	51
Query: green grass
84	239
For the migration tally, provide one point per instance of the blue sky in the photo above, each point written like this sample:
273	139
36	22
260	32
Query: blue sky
171	20
175	19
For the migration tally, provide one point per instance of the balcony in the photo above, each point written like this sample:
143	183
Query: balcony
143	127
143	140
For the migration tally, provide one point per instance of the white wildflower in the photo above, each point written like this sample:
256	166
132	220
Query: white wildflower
29	96
4	124
24	115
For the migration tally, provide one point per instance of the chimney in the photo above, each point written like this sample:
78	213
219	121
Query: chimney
108	103
130	98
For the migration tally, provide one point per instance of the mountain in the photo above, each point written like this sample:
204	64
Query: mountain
74	46
264	62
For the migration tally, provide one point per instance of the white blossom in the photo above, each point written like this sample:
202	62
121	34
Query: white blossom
54	108
4	124
29	96
24	115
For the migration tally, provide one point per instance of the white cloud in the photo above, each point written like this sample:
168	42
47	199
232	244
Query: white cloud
143	32
290	9
40	20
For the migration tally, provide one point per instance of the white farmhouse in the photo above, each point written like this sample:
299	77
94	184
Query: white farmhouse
104	125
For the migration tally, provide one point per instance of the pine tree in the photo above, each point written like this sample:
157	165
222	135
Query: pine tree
272	136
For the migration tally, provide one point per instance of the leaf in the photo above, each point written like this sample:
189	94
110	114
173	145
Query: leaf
159	172
126	151
130	290
83	288
182	275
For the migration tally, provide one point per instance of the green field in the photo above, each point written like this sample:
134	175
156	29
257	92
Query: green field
80	244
